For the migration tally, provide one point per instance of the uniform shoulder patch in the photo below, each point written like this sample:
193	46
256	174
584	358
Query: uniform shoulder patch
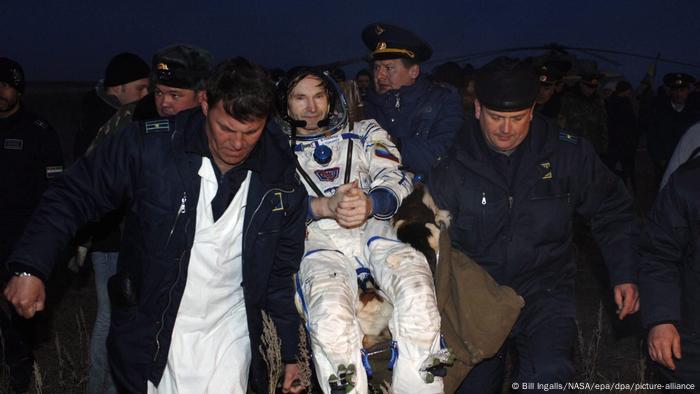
157	126
40	123
568	137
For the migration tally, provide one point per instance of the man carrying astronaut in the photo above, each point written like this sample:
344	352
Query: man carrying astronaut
351	172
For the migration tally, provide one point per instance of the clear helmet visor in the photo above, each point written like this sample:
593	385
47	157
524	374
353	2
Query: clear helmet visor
337	114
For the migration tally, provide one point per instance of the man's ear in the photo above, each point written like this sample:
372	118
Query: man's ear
477	109
414	71
201	96
205	106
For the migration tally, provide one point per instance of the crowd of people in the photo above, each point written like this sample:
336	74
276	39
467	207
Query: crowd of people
208	195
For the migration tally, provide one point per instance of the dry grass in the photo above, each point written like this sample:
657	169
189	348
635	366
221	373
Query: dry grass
305	370
270	349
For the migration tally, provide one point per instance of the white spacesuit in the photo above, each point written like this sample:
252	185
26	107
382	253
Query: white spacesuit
327	279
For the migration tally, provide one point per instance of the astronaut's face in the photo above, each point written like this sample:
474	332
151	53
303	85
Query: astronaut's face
308	101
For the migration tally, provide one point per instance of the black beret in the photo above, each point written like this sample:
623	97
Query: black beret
393	42
11	73
506	84
182	66
678	80
124	68
548	74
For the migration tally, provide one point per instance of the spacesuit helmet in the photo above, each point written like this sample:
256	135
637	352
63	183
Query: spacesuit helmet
297	112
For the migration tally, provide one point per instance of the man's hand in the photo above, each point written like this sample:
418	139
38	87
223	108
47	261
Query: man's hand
292	379
325	207
354	209
27	294
664	344
627	299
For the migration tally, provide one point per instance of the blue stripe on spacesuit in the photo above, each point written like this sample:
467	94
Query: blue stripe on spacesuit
378	237
310	252
350	136
303	303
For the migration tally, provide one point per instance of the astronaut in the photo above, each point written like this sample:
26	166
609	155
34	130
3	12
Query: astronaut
353	177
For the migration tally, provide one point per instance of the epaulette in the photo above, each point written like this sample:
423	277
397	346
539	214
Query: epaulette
41	123
567	137
157	126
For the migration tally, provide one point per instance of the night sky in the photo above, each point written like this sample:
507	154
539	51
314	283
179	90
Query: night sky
73	40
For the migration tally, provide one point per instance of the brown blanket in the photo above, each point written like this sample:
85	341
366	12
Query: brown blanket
477	313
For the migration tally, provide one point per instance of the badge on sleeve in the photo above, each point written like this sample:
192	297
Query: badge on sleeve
13	144
157	126
52	172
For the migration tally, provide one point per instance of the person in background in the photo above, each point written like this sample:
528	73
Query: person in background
422	117
125	82
30	159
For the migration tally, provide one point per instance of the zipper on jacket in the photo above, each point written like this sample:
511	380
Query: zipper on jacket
397	104
483	198
510	202
167	306
180	211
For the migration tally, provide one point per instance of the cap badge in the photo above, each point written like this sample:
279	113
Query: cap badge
381	46
378	30
162	66
17	78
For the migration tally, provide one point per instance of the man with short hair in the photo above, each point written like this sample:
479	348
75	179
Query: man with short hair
213	234
421	116
513	183
351	171
30	158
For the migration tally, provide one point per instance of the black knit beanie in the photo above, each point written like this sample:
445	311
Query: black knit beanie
124	68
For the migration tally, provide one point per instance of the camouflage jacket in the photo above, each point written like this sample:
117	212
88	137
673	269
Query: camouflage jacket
122	118
585	117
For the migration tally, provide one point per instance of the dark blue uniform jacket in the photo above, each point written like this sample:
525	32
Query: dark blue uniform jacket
422	118
152	168
669	277
519	226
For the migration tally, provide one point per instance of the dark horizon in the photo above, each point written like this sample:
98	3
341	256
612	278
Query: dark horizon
58	42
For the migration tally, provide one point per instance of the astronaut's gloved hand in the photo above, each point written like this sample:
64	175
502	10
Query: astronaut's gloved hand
342	382
436	365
